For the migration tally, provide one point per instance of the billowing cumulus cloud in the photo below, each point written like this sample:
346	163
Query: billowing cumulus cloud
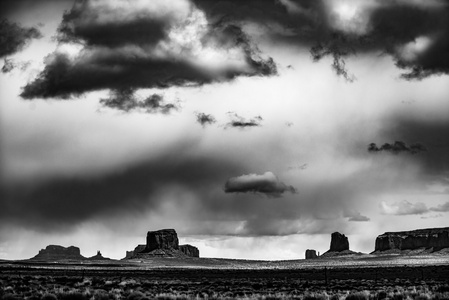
403	207
115	45
266	183
126	100
241	122
14	37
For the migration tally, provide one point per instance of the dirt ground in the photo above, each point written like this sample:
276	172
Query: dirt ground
428	279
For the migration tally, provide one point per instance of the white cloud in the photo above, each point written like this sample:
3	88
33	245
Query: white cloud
403	207
441	207
266	183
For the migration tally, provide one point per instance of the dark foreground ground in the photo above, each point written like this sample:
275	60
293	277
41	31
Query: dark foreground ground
426	279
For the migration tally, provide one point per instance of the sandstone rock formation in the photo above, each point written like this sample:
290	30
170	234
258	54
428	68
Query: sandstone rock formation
339	242
55	252
138	249
339	246
189	250
435	238
163	243
310	254
99	256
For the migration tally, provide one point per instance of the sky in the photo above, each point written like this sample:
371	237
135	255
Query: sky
253	128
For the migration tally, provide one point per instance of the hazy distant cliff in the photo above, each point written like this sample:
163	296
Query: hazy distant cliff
437	238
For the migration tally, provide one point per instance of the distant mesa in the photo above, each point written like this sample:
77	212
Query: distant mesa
163	243
56	252
432	239
311	254
98	257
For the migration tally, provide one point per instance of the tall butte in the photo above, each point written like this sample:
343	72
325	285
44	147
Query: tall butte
339	242
339	246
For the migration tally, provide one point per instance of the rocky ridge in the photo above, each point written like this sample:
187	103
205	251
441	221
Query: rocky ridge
99	256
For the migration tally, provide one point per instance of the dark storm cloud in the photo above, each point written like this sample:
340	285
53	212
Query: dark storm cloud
415	34
241	122
266	183
59	204
126	100
14	37
68	201
284	17
397	147
205	119
144	46
433	134
338	52
9	7
104	25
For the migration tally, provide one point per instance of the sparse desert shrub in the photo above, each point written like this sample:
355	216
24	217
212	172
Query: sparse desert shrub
398	296
316	296
49	297
135	296
102	296
357	296
73	296
443	288
422	297
334	297
441	296
381	295
11	297
97	281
